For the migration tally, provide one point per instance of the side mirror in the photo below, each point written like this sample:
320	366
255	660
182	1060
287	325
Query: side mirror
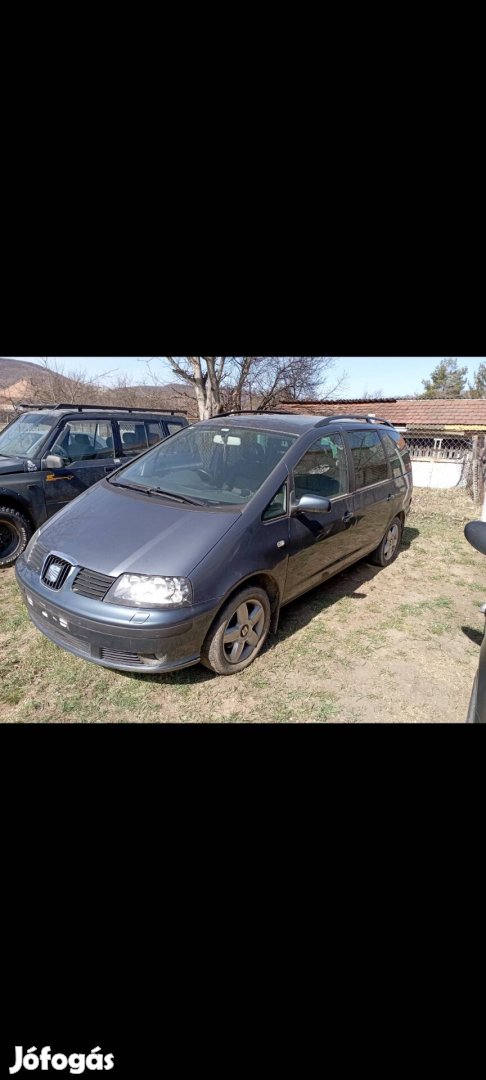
310	504
53	461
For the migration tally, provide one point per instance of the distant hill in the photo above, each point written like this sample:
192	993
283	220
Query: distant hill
15	371
22	380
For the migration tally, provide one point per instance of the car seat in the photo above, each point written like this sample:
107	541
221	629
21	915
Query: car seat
80	446
249	471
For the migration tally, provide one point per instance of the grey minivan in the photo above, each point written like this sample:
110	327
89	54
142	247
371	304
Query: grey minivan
188	553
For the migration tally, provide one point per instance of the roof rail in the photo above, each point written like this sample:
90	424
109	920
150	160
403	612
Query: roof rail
105	408
368	418
252	412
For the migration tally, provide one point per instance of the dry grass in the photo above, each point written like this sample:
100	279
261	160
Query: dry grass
394	645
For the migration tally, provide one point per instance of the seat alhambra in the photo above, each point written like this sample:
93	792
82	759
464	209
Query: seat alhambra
188	553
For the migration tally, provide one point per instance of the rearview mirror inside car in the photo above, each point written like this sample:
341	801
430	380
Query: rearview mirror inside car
310	504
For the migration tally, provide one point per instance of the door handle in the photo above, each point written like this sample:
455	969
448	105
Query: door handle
389	498
348	518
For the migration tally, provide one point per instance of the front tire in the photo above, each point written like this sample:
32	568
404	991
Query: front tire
15	533
239	633
388	550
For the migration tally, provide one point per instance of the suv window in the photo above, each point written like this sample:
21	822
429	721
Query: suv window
402	448
133	436
323	470
173	427
85	440
370	462
25	436
391	448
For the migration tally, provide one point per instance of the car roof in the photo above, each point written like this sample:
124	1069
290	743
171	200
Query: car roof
293	424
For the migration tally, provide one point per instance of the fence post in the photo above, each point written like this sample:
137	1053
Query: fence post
475	468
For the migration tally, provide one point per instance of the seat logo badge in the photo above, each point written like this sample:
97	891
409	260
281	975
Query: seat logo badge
53	572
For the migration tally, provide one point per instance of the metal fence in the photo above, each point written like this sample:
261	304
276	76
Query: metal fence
433	448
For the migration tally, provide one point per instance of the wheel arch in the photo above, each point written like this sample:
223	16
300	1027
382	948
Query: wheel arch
11	501
261	580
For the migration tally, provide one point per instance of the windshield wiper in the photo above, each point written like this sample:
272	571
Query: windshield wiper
130	487
177	498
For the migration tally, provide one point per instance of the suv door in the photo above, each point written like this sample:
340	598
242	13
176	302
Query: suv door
137	435
320	542
87	449
375	488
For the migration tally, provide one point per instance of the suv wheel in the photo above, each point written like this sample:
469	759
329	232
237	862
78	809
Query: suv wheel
390	545
15	533
239	633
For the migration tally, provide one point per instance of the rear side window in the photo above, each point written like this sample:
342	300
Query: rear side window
402	448
370	462
173	427
155	432
392	452
133	436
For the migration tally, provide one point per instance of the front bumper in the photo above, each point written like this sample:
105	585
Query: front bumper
167	641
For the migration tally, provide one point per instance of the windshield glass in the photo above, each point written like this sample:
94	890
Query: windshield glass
25	436
213	465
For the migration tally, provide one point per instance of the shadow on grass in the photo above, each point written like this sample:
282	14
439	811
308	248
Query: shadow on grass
476	636
294	616
409	535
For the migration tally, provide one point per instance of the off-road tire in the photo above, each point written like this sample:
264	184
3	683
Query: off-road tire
15	533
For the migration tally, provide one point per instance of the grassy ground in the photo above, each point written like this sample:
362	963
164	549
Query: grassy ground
393	645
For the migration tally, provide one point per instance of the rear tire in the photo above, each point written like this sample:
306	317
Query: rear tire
388	550
239	633
15	533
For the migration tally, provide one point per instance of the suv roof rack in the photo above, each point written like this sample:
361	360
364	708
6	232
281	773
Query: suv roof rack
93	408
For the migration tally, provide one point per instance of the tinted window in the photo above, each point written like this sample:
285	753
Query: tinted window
392	453
323	470
173	427
84	440
402	448
133	436
155	431
370	463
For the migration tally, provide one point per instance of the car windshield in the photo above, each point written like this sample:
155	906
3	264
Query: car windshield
219	466
25	436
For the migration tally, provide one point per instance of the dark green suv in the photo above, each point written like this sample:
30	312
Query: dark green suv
50	454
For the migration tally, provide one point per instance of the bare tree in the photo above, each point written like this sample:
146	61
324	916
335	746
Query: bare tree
221	383
53	385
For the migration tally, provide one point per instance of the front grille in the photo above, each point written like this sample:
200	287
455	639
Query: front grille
36	557
91	584
114	657
55	572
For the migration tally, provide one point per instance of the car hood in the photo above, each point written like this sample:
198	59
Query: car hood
116	531
12	464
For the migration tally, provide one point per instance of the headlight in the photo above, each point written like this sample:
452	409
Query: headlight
144	591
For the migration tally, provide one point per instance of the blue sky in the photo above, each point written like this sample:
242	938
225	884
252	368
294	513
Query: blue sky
393	375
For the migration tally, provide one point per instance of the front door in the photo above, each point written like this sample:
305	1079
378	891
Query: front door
320	542
86	447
